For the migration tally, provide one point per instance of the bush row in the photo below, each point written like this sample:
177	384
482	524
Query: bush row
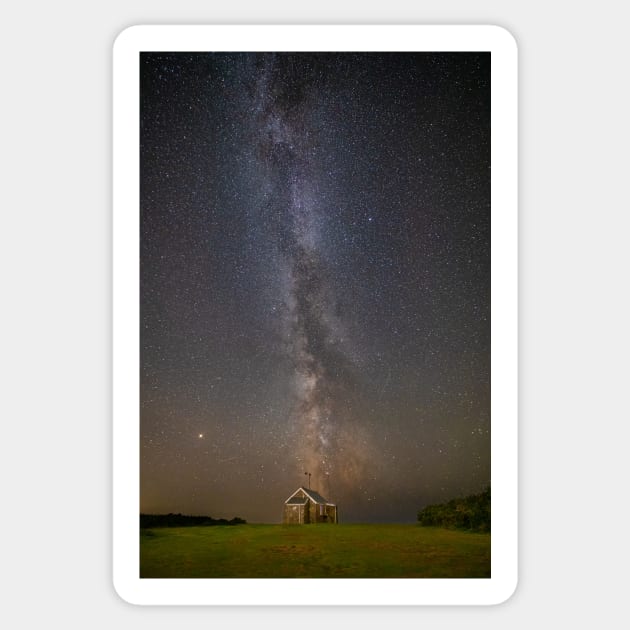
470	513
182	520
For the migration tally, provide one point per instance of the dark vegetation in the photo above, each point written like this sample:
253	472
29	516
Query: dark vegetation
470	513
182	520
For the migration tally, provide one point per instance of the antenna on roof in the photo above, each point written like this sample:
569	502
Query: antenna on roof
309	479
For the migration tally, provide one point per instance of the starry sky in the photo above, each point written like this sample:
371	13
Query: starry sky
314	281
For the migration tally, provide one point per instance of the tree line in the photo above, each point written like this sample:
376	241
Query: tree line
470	513
183	520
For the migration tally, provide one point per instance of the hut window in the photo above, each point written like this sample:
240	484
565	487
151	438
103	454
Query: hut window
321	510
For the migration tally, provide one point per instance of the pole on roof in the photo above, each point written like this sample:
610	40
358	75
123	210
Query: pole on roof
309	479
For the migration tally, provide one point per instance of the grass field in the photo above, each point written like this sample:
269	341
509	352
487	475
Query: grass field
313	551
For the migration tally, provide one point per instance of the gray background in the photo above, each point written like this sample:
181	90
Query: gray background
55	250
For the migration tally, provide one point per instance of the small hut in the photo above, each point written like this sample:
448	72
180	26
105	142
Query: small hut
307	506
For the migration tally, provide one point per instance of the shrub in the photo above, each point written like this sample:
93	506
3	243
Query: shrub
469	513
182	520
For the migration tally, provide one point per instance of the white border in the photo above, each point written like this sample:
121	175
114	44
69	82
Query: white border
126	236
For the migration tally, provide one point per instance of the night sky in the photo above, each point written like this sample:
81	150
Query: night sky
315	281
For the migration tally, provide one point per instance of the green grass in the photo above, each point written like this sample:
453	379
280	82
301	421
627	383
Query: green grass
313	551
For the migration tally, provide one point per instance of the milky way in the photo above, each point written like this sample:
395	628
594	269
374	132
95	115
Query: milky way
314	281
321	443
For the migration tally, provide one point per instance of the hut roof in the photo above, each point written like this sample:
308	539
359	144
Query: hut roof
314	496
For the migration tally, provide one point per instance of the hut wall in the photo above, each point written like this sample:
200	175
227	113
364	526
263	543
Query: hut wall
318	513
292	515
